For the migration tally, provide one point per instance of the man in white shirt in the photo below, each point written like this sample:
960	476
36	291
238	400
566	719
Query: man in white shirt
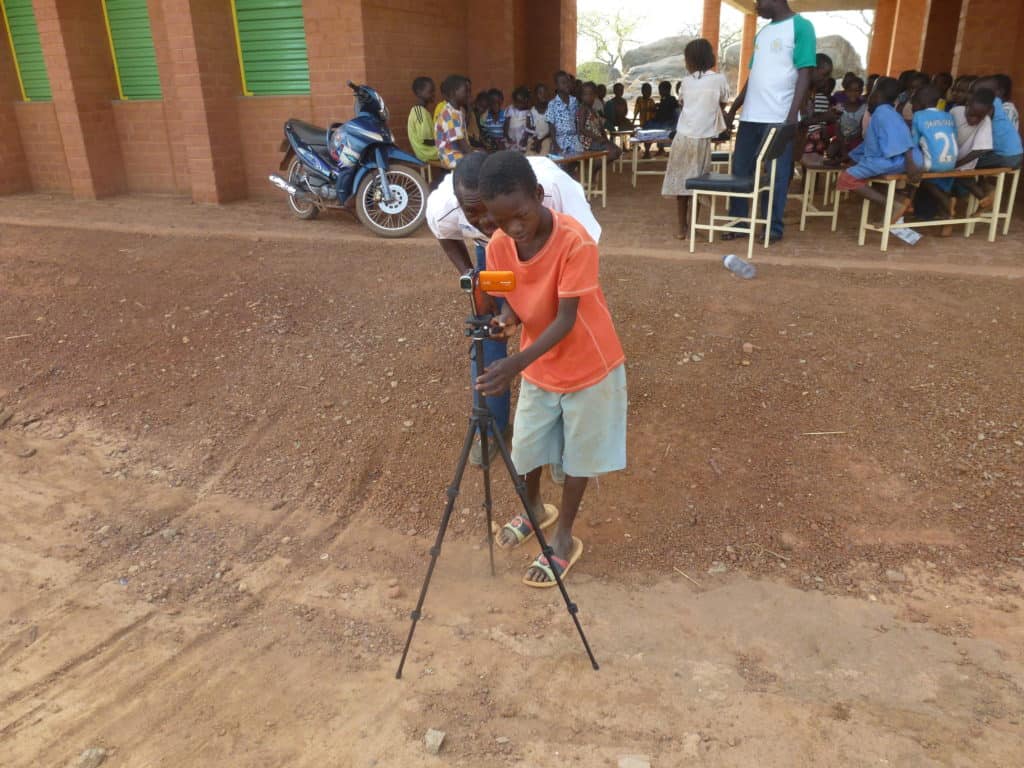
785	56
456	213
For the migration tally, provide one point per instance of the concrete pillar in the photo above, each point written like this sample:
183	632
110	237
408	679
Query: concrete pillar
74	41
747	46
207	86
337	50
940	36
908	36
712	23
881	37
13	166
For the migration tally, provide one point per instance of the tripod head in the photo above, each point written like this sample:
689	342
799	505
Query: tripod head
481	281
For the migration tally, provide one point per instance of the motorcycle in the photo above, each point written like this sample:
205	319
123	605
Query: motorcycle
325	168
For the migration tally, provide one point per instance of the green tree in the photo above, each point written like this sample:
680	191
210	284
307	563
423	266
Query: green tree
597	71
611	34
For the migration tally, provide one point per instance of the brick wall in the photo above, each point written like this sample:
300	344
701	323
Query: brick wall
407	38
261	120
940	38
990	32
44	148
142	135
336	49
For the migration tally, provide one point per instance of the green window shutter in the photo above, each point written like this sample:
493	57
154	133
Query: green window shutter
28	53
131	40
272	44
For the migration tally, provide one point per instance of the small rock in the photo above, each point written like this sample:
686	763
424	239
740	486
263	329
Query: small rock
28	453
502	740
896	577
748	348
717	568
91	758
408	424
104	530
695	358
394	592
788	541
286	540
433	741
243	587
277	505
411	532
392	582
168	534
634	761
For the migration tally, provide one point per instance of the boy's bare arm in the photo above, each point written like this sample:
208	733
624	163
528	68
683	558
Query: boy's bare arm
499	376
803	84
457	254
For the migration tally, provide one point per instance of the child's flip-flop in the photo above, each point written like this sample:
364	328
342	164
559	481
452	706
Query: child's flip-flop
523	531
563	566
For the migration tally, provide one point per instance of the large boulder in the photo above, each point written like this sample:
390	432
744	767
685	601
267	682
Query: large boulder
844	56
598	71
659	49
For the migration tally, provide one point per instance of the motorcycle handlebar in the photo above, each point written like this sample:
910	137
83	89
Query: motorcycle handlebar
353	86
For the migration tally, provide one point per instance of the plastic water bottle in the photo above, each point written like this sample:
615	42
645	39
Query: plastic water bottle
739	267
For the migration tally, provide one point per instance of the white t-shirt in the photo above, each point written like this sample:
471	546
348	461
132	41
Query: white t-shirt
780	50
562	193
702	96
971	138
540	123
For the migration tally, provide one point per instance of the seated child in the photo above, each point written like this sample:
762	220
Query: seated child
852	110
1007	148
887	149
616	110
590	125
667	110
541	143
519	128
944	82
916	81
420	127
934	133
644	111
1004	92
492	121
960	91
572	401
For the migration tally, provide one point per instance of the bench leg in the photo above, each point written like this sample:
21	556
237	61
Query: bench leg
636	158
835	203
604	181
694	204
864	211
890	203
711	220
997	206
1012	202
809	181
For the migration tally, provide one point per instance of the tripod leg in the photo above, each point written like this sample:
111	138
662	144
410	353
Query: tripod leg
435	551
544	546
485	427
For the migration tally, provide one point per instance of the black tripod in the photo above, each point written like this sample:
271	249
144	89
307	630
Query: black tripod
482	423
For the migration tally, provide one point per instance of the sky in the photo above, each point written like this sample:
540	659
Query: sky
662	18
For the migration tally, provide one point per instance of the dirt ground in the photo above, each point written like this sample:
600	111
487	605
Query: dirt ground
223	459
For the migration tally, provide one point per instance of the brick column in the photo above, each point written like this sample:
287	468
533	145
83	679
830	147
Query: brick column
172	116
990	39
712	23
881	37
908	35
548	47
207	86
336	47
747	46
74	40
13	166
567	18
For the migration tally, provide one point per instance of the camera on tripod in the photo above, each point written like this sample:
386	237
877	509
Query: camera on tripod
488	281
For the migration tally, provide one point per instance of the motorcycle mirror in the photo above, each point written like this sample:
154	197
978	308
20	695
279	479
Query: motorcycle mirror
353	86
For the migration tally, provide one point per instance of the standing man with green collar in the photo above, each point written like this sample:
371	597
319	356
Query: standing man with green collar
785	56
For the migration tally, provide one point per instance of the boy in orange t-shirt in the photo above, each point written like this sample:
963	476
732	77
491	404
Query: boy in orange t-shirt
572	403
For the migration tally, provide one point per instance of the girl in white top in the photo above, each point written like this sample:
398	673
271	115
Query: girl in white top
703	95
519	120
541	143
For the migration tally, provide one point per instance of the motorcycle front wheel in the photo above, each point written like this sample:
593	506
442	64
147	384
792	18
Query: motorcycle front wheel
407	209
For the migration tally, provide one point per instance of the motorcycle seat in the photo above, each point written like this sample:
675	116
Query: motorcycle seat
308	134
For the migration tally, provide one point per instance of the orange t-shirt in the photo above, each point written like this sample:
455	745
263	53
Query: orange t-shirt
565	267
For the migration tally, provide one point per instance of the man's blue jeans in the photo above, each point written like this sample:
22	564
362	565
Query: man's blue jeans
494	351
744	162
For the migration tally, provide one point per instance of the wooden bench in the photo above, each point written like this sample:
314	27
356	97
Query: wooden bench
427	171
721	160
972	218
622	139
586	161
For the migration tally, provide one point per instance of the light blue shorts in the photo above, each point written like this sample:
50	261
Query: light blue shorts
583	431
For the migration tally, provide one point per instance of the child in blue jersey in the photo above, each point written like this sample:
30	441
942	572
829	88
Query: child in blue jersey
888	148
934	132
